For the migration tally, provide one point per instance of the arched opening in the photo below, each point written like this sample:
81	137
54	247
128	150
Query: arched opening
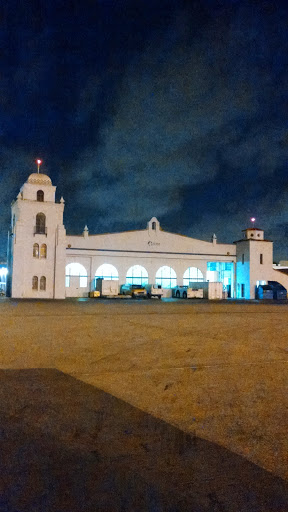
40	224
40	196
43	283
154	225
35	251
137	275
166	277
192	275
34	283
76	270
106	271
43	251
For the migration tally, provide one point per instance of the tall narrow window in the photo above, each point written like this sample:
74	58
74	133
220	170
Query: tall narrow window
154	225
261	259
243	290
43	251
35	251
40	196
242	259
34	283
43	283
40	224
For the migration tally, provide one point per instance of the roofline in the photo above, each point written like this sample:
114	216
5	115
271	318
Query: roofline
253	229
252	240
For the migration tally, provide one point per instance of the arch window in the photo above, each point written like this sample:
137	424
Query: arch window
34	283
166	277
35	251
40	224
107	271
43	283
76	270
154	225
192	274
40	196
43	251
137	275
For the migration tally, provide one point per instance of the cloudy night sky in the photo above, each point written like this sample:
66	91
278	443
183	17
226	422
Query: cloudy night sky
138	108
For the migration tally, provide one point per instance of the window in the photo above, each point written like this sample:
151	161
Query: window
242	259
106	271
192	274
154	225
40	224
242	290
137	275
261	259
43	283
34	283
43	251
35	251
166	277
40	196
76	270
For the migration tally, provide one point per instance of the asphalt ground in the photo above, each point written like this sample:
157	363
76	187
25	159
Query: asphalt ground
134	405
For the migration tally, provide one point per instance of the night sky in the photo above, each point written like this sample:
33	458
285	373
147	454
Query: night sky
138	108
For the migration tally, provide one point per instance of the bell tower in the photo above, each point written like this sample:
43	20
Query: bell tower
36	241
254	261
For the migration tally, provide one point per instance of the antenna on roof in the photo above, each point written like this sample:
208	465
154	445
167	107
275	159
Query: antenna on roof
39	162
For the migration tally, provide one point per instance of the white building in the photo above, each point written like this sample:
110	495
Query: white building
45	262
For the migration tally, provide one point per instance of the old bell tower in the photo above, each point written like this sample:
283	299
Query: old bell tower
36	241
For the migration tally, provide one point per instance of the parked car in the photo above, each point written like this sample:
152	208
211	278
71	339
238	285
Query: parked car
138	291
264	291
134	290
154	290
279	291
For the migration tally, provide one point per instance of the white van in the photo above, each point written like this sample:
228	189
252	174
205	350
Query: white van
154	290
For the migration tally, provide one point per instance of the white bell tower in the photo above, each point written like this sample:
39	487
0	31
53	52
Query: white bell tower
36	247
254	261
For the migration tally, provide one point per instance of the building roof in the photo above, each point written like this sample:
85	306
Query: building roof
252	229
39	179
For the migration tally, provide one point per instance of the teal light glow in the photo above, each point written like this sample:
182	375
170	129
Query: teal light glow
166	277
76	270
220	271
192	274
137	275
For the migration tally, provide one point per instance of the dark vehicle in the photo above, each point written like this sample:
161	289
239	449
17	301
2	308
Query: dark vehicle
279	292
264	291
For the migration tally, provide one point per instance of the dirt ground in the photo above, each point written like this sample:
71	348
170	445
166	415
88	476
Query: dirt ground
207	382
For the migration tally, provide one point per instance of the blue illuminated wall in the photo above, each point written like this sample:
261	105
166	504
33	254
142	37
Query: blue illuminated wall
219	271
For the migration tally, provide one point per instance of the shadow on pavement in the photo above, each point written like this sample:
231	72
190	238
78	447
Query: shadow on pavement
67	446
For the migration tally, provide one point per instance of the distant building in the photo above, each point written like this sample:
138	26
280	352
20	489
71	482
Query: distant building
45	262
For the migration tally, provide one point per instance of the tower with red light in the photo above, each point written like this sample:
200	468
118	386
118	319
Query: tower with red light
254	260
36	248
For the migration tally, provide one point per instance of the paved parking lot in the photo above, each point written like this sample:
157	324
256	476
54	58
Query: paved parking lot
194	392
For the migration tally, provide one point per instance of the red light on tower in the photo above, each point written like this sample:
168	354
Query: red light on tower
39	162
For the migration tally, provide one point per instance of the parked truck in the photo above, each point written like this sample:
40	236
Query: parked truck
185	292
107	287
211	290
154	290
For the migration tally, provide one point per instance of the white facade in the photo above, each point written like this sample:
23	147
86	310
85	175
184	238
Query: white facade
44	262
